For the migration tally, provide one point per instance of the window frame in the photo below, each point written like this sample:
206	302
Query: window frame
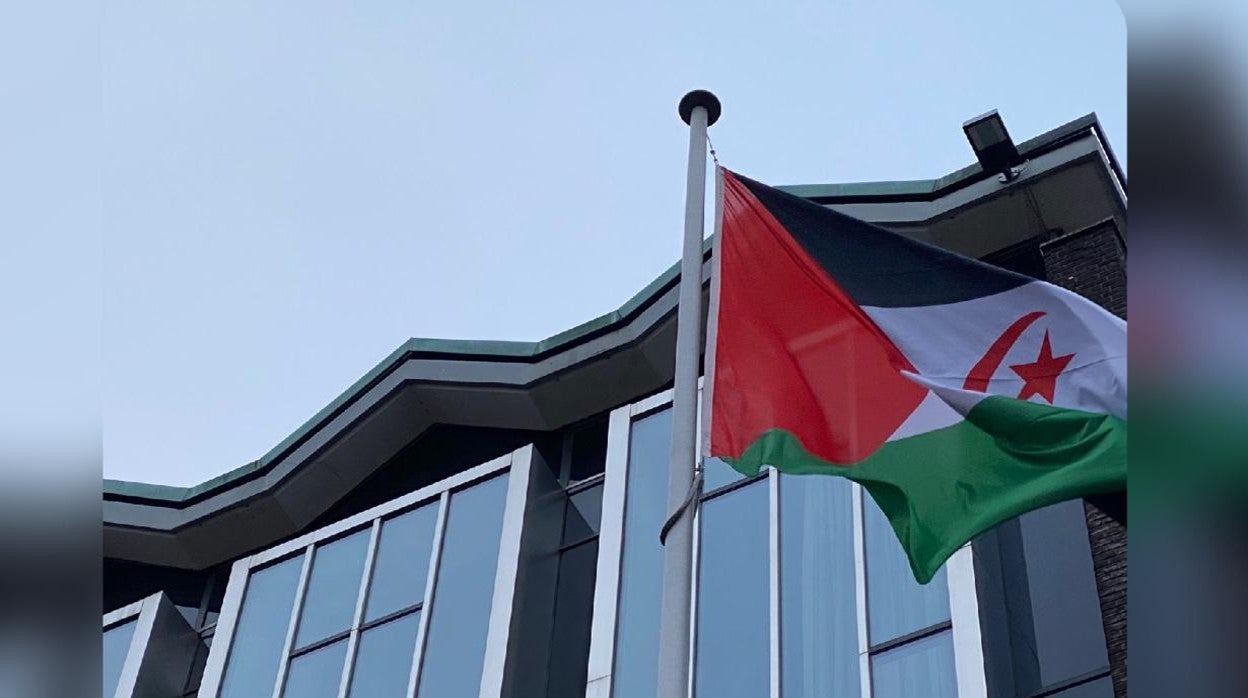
143	614
963	597
517	464
963	623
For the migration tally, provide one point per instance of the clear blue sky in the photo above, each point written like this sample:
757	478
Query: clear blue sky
292	189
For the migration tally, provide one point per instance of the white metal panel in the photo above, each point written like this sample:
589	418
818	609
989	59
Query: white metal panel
301	592
129	677
127	612
610	550
968	647
860	591
505	574
773	523
370	560
431	581
223	637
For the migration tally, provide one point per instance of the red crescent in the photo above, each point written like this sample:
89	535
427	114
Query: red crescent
984	369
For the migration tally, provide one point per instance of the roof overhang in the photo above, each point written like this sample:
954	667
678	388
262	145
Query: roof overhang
1071	181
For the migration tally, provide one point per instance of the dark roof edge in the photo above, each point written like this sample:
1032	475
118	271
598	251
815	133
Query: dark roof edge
530	352
931	189
415	348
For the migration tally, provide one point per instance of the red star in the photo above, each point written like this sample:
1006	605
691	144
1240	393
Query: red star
1041	374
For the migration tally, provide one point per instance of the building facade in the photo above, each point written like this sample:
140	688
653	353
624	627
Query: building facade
482	518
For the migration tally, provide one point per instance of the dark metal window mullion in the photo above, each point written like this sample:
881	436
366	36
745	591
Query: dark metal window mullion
393	615
577	543
323	642
934	629
201	614
582	485
565	459
734	486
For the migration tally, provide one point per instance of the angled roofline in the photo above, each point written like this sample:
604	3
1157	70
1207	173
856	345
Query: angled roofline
930	189
415	348
532	352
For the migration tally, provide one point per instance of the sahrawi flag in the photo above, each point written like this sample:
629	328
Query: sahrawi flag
957	393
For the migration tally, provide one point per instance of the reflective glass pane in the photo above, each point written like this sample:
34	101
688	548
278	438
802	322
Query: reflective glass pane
402	561
333	588
896	604
716	473
384	660
818	599
733	614
462	600
589	451
199	661
116	647
641	568
583	515
317	673
260	634
920	668
574	607
1063	605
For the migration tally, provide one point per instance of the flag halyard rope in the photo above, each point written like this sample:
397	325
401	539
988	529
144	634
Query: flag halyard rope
694	488
711	147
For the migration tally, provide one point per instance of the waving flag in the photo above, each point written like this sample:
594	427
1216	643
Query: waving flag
957	393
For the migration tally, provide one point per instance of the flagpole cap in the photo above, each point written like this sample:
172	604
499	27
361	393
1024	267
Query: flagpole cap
699	98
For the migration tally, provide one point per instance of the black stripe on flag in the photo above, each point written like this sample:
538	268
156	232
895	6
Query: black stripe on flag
877	267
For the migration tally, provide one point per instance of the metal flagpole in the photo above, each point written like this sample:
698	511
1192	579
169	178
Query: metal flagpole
699	109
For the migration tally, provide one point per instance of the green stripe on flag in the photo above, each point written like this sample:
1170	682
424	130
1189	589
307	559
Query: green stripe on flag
944	487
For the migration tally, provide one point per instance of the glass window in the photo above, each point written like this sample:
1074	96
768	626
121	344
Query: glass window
818	598
116	647
460	612
384	661
896	604
583	515
589	451
574	607
716	473
402	562
1100	688
641	567
333	588
920	668
733	637
261	632
1065	611
317	673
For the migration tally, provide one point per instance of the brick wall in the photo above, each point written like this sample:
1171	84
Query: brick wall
1092	263
1109	562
